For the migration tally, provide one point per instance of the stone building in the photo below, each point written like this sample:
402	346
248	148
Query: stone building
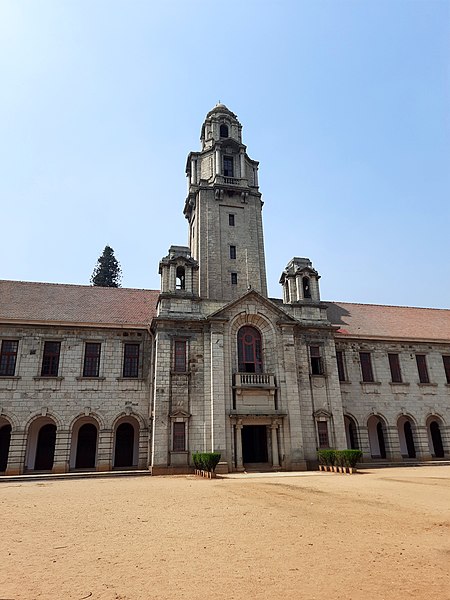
103	378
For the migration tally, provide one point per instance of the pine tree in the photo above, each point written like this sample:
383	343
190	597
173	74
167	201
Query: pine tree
107	272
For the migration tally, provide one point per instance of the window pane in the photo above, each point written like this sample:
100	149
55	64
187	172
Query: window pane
366	366
322	430
234	278
180	356
50	360
233	252
131	360
179	437
394	364
340	364
228	166
316	360
91	360
422	368
446	360
8	357
249	350
231	220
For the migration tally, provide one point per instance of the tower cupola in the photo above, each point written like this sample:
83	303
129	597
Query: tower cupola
300	282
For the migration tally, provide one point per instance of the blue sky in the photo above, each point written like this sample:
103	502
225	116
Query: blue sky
345	105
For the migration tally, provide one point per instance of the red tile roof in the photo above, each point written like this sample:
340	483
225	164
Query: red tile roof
390	322
54	303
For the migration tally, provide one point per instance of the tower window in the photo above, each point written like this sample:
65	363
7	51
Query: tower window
231	220
316	360
306	287
224	131
180	363
181	279
234	278
228	170
233	252
249	350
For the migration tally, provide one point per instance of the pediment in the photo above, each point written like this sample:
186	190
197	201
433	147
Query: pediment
179	413
258	301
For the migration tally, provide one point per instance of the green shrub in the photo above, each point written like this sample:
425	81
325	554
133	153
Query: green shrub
327	457
206	461
350	457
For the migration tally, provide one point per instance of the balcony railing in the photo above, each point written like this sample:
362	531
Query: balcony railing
264	380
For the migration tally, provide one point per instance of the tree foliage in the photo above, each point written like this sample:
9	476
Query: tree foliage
107	272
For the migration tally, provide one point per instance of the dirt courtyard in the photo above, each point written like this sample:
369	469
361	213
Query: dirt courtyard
382	534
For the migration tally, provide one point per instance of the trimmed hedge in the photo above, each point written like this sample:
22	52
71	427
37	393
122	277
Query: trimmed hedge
340	458
206	461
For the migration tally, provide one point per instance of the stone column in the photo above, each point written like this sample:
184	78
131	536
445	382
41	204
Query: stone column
104	450
218	169
218	441
172	278
62	451
423	451
193	172
275	456
16	457
239	459
292	290
188	279
392	443
298	280
242	157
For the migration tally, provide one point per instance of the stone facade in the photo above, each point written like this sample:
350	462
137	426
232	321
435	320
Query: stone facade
98	378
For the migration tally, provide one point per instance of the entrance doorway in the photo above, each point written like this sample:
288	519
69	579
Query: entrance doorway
436	439
86	447
123	455
45	448
254	444
5	439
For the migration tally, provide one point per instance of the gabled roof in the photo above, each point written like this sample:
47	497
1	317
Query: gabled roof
374	321
55	303
258	298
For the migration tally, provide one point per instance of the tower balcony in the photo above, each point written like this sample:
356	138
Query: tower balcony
234	182
254	380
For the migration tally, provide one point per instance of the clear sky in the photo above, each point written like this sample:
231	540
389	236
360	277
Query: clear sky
345	104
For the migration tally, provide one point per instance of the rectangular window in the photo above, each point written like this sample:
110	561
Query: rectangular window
234	278
231	220
228	166
233	252
422	368
91	366
8	357
366	366
316	360
179	437
180	356
322	431
131	360
446	360
394	364
50	360
340	365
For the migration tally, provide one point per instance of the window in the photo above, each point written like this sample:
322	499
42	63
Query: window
181	278
322	432
131	360
228	170
8	357
249	350
234	278
179	437
232	252
306	287
91	366
231	220
422	368
394	364
366	366
180	356
340	365
446	361
224	131
316	360
50	360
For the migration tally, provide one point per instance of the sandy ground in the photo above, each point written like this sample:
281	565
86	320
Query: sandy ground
383	534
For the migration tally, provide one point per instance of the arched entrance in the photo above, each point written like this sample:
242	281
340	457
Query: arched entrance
86	447
5	440
125	454
351	433
45	448
435	439
406	437
377	437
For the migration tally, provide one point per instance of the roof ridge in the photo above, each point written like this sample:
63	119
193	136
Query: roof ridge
77	285
383	305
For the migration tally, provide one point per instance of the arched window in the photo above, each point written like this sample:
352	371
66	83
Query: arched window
249	350
181	280
224	131
306	287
